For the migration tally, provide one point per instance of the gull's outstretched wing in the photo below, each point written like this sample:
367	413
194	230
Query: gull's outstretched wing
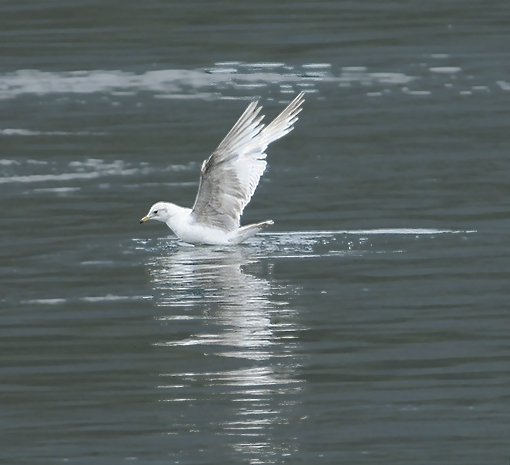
231	174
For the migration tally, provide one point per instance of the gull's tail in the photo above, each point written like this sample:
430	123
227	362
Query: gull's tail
248	231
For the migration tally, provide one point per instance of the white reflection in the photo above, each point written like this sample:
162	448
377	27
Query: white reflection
239	305
241	319
240	347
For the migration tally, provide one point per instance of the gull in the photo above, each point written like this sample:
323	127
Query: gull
228	180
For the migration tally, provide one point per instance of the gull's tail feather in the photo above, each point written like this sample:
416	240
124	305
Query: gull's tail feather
248	231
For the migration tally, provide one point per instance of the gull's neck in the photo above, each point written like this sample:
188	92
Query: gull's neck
178	217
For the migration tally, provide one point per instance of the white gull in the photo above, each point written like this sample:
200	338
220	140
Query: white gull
228	180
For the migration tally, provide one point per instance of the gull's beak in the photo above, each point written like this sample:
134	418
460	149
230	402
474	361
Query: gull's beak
144	219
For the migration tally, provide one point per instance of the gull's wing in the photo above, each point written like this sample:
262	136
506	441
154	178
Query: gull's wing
231	174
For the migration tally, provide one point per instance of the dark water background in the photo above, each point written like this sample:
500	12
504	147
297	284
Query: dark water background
369	325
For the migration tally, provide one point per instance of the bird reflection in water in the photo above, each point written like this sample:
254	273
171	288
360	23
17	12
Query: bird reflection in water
232	308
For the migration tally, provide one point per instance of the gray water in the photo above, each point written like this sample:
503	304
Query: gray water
368	325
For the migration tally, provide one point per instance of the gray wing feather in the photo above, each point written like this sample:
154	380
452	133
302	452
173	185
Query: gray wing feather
231	174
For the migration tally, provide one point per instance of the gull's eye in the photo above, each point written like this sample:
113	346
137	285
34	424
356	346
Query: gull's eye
155	212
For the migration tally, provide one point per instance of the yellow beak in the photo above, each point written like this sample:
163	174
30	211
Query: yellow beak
144	219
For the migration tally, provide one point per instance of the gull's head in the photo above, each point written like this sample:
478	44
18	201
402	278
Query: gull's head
159	211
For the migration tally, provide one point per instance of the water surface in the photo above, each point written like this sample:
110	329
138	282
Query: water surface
369	325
